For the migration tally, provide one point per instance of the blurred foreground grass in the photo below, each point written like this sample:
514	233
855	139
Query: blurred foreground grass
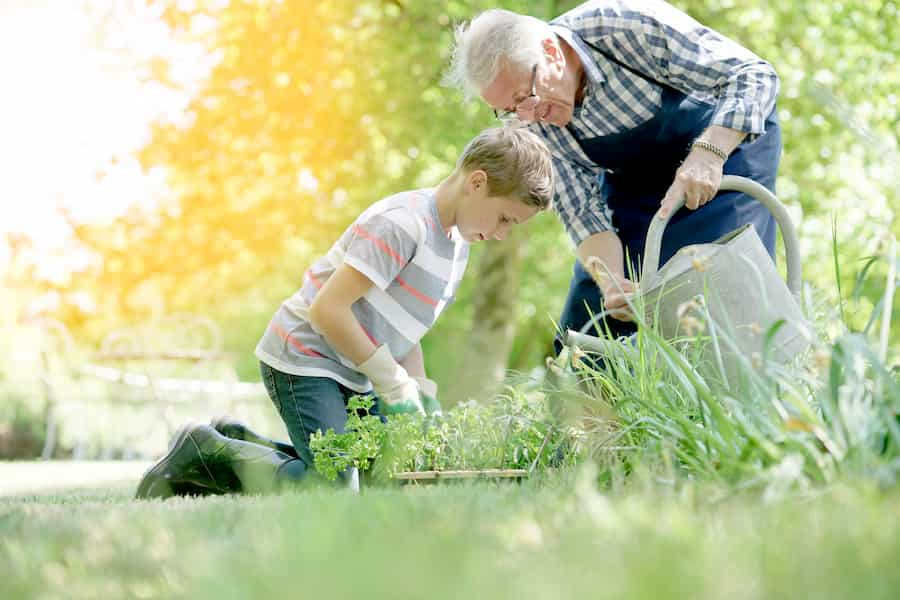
543	539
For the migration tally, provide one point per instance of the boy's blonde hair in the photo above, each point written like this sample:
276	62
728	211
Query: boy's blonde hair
516	161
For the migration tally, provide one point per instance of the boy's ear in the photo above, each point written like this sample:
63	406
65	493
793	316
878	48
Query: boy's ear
476	179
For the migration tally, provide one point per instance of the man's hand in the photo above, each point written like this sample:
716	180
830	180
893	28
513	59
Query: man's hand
615	299
615	288
697	181
396	391
428	390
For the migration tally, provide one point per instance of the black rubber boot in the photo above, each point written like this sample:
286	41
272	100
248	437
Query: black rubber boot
230	427
184	471
203	461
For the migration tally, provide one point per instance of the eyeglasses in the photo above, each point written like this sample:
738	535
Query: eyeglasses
526	104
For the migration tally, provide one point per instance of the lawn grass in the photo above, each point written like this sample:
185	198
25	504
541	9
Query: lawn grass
779	484
552	538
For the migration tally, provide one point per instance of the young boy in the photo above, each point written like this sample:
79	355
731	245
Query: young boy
355	324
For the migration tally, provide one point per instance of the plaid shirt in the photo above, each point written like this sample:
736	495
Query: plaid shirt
665	44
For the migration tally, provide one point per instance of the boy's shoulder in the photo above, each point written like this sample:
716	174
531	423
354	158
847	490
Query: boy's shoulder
412	202
410	210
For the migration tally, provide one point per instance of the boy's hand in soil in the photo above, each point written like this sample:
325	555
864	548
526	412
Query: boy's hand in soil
430	403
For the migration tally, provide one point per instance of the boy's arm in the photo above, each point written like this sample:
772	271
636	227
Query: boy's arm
331	315
414	362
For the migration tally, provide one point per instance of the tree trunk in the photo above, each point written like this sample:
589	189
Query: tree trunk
492	330
493	326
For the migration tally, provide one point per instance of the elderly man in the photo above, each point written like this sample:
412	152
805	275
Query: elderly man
641	106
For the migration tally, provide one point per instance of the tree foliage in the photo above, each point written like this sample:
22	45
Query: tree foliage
315	110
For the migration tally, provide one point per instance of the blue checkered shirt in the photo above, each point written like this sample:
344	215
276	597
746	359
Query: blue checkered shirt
665	44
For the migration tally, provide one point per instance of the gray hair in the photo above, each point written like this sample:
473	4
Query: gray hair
488	42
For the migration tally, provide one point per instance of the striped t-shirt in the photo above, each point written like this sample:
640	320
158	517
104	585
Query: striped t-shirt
415	267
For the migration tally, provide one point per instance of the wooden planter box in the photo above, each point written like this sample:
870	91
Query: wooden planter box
435	476
422	477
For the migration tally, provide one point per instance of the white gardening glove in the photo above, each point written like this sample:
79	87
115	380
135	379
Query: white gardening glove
396	391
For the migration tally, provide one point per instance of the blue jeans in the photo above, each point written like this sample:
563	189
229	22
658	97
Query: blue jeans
306	405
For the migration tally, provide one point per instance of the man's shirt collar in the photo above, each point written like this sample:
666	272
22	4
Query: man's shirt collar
594	74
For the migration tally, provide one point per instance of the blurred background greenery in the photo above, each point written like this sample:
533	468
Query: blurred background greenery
193	156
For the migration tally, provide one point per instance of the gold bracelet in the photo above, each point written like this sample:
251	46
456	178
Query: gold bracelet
710	147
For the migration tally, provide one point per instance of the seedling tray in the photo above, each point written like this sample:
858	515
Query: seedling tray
435	476
421	477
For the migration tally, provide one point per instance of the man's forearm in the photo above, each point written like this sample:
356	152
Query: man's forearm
608	248
721	137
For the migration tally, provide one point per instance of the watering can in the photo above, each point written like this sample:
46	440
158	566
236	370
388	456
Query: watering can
730	286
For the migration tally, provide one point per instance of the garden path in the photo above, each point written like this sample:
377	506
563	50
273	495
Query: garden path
43	477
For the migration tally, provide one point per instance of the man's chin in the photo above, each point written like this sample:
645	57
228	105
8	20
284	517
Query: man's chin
559	115
562	119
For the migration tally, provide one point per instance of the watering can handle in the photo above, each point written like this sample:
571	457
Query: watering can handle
757	191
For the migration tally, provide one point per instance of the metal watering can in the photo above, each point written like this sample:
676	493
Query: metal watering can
734	281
